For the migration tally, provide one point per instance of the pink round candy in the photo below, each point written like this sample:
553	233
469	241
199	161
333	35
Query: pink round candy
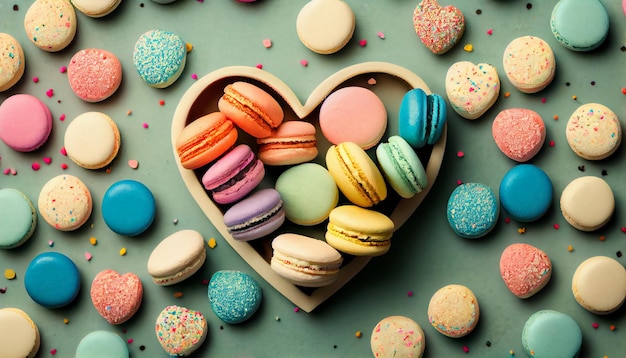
519	133
25	122
94	74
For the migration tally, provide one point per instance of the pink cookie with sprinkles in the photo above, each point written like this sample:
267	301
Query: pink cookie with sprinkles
472	89
116	297
525	269
94	74
519	133
439	27
593	131
180	331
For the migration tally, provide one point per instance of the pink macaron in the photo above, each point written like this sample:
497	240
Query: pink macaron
353	114
25	122
525	269
293	142
234	175
94	74
519	133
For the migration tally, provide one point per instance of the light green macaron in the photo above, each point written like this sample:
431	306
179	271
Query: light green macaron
401	167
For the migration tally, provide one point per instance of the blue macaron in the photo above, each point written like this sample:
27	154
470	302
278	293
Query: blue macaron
472	210
234	296
52	280
401	167
128	207
526	192
422	118
549	333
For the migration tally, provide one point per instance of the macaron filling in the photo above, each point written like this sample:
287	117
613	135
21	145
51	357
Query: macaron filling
253	112
189	149
254	222
357	177
251	164
369	239
188	270
403	167
315	268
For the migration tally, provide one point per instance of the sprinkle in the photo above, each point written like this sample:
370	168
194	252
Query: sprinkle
507	94
304	63
62	117
175	221
36	166
604	172
13	171
161	102
488	343
410	293
88	256
129	112
490	32
521	230
581	168
296	309
93	240
556	226
551	143
178	294
479	11
122	251
618	254
380	35
9	274
593	83
130	340
63	166
363	43
511	352
16	7
466	349
623	229
47	160
570	248
602	238
63	69
468	48
142	348
529	6
543	100
53	351
212	243
259	66
133	163
108	170
371	81
460	154
205	282
50	243
194	76
277	319
188	47
612	327
507	220
145	125
50	92
623	90
459	182
35	79
595	325
7	171
574	97
358	334
3	290
267	43
555	117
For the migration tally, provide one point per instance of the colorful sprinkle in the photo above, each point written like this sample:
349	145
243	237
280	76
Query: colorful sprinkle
161	102
145	125
543	100
9	274
3	290
602	238
47	160
188	47
304	63
35	79
66	320
623	90
570	248
556	226
63	166
507	94
212	243
267	43
133	163
130	340
555	117
277	319
468	48
62	117
194	76
50	92
36	166
129	112
296	309
358	334
507	220
178	294
122	251
93	240
88	256
50	243
551	143
63	69
612	327
363	43
175	221
460	154
380	35
410	293
371	81
53	351
574	97
490	32
595	325
521	230
466	349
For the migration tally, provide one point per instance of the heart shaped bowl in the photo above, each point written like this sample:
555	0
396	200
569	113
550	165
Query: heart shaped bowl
390	82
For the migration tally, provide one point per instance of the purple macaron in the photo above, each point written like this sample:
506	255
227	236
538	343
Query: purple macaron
255	216
234	175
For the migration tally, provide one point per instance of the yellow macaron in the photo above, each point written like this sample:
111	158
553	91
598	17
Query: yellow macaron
359	231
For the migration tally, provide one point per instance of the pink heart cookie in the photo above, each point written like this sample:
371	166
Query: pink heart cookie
525	269
116	297
472	89
439	27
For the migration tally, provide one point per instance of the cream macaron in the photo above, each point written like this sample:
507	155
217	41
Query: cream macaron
599	284
325	26
177	257
19	335
587	203
96	8
92	140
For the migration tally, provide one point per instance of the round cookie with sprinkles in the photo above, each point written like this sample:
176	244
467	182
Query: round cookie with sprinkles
12	61
234	296
472	210
529	64
180	331
397	336
94	74
593	131
159	57
50	24
65	202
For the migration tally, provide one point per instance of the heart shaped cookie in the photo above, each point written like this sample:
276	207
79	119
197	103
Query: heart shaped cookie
116	297
472	89
392	82
439	27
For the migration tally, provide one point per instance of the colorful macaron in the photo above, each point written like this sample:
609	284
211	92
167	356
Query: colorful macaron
94	74
526	192
565	24
256	216
180	331
19	335
293	142
453	311
519	133
305	261
12	61
472	89
25	122
18	218
325	26
525	269
308	192
549	333
439	27
587	203
593	131
353	114
599	285
65	202
252	109
96	8
92	140
116	297
104	343
234	296
50	24
473	210
529	63
422	118
205	139
358	231
52	280
128	207
177	257
401	167
159	57
234	175
397	336
356	174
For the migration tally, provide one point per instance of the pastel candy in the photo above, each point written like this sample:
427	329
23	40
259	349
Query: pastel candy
567	17
325	26
529	64
438	27
65	202
551	334
234	296
526	192
472	89
593	131
472	210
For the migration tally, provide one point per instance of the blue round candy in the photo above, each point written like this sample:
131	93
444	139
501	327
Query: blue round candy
526	192
472	210
128	207
234	296
52	280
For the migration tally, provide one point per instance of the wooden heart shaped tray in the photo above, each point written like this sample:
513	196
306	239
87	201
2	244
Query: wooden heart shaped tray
387	80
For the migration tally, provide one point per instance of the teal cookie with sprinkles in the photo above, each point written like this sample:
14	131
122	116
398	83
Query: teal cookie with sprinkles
159	57
234	296
472	210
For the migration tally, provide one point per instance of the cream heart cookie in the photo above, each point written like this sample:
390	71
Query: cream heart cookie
439	27
472	89
202	98
116	297
180	331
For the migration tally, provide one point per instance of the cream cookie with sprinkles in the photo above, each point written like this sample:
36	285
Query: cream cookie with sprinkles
51	24
12	61
180	331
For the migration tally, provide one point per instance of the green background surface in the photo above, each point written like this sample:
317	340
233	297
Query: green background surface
425	253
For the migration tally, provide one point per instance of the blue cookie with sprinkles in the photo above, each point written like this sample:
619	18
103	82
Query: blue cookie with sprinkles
472	210
159	57
234	296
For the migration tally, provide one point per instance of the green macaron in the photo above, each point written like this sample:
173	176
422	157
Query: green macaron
401	167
